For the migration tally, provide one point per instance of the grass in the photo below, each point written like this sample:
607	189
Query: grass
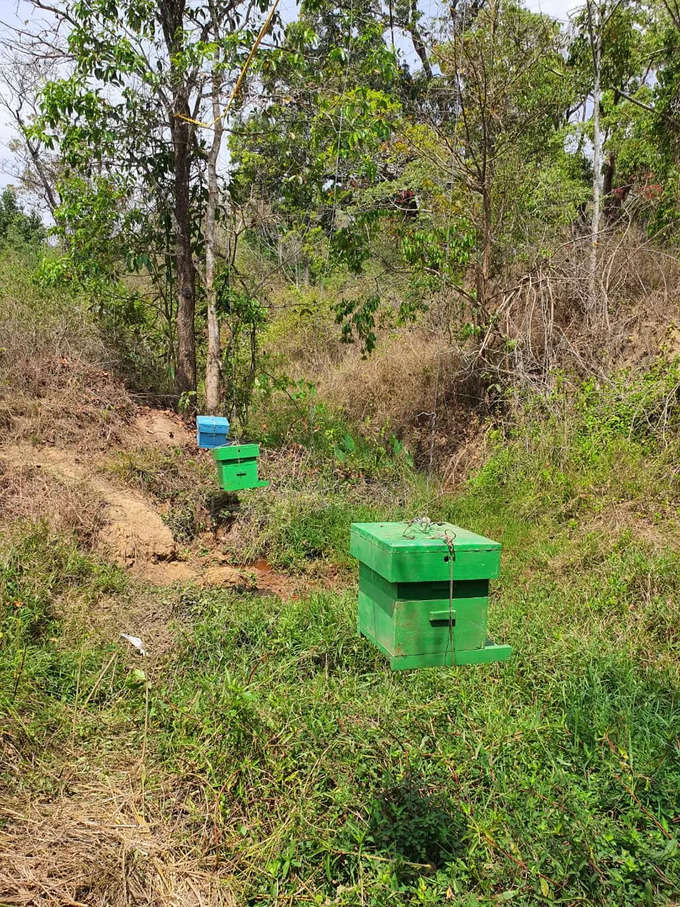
554	776
45	674
309	773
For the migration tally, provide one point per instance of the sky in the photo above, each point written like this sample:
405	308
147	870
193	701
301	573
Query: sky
14	13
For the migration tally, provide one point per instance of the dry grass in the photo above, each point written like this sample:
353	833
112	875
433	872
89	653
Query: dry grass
30	493
93	845
545	323
433	389
414	387
56	384
66	401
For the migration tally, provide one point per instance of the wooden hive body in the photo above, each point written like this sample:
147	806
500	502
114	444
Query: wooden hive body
405	606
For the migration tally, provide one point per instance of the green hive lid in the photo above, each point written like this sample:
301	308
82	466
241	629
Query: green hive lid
404	553
236	452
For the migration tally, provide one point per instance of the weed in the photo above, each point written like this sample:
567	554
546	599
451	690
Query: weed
41	671
309	771
335	776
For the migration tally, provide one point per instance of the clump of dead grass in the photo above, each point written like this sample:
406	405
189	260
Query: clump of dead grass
29	494
415	387
96	846
56	373
65	402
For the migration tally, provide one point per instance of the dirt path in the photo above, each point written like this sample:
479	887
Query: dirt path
133	532
160	428
259	577
93	838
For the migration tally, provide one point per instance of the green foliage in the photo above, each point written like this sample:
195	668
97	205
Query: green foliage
246	317
427	802
299	532
551	777
18	228
573	740
560	463
89	223
358	317
291	413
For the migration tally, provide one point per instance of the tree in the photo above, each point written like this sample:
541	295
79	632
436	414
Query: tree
595	26
124	120
15	224
213	394
453	186
612	63
37	170
326	93
500	156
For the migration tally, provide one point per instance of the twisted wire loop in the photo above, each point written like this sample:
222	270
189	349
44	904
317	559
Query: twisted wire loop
427	526
422	523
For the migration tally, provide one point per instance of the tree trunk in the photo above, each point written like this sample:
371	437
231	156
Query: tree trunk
612	203
185	379
419	46
213	376
172	14
50	193
608	176
484	270
594	303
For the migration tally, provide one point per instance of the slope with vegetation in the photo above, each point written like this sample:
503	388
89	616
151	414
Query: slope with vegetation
262	752
437	276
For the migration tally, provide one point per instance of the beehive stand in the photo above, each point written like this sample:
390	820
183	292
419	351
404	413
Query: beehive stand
237	466
405	606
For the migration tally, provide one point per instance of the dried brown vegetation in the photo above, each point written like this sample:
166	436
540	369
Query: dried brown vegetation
31	493
92	843
434	389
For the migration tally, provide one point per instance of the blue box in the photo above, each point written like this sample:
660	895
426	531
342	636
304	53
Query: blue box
212	431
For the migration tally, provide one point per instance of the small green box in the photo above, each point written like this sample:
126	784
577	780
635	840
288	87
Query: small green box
237	466
405	607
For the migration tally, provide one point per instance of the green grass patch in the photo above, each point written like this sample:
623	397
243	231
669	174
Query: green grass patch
322	777
551	777
51	680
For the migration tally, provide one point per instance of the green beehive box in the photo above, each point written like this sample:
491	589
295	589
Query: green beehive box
237	466
405	605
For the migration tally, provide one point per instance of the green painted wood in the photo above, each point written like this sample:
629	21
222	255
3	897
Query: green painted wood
416	634
236	452
388	549
429	660
239	475
229	473
490	652
237	467
446	614
412	621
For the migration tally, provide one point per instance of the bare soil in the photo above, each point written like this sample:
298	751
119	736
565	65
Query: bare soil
92	840
160	428
133	531
129	527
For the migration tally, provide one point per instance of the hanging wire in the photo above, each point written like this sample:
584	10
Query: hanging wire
427	527
244	69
